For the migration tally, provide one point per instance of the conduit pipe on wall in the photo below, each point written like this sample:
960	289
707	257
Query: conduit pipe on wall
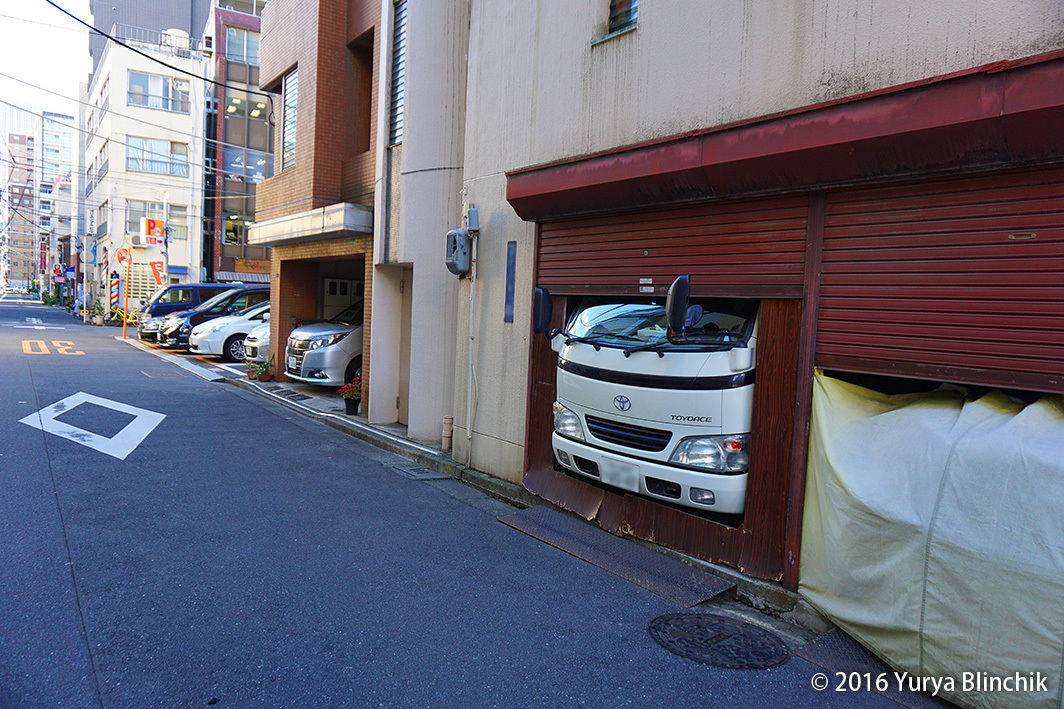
471	381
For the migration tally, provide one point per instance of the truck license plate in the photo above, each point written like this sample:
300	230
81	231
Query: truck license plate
619	473
291	362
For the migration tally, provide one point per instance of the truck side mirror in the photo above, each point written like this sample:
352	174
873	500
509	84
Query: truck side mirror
542	310
676	303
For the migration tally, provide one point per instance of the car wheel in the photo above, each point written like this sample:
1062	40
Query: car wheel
354	367
234	348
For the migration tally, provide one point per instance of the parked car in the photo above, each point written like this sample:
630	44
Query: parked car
257	343
182	296
327	353
225	335
175	330
148	328
171	298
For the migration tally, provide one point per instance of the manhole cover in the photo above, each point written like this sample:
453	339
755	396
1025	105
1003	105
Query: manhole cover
718	641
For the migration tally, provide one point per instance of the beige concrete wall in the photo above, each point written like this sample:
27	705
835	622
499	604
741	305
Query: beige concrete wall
541	87
429	178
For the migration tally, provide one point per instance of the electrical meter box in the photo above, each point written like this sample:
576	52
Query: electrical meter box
459	252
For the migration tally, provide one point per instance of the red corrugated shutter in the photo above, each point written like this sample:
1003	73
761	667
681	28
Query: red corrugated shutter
944	280
753	248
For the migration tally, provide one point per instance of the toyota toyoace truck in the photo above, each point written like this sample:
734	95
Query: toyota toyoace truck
655	398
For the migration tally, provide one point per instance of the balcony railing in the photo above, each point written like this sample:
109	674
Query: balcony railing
156	41
248	7
160	103
175	168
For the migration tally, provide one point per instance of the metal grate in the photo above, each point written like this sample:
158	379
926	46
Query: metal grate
398	73
626	434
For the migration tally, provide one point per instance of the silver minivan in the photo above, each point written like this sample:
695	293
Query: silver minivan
327	353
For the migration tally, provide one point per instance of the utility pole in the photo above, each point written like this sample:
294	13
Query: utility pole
166	237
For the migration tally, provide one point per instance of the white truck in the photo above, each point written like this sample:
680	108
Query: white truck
655	398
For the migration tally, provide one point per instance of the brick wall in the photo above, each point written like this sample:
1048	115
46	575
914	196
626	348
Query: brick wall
335	44
295	287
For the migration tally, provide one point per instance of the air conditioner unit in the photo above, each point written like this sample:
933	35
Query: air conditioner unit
138	240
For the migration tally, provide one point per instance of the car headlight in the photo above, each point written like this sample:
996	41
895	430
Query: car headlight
326	340
718	454
151	325
566	423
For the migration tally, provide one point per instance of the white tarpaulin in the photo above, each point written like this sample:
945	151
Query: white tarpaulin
934	534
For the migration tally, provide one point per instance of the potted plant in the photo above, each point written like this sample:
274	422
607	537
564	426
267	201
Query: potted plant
351	393
261	370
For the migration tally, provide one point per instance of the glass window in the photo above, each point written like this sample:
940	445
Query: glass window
158	156
623	14
241	45
288	127
177	295
236	103
159	92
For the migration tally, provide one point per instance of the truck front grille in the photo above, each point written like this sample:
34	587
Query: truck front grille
625	434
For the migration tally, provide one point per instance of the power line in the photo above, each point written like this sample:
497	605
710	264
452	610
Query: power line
127	116
148	56
202	166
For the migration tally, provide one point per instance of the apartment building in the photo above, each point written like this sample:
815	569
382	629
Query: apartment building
320	60
143	159
23	257
56	205
239	143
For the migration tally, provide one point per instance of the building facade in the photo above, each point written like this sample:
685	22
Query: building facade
320	60
779	153
239	144
22	257
143	160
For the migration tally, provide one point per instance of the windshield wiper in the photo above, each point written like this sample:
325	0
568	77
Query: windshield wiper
659	346
593	341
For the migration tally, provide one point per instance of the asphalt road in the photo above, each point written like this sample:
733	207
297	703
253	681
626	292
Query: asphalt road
241	555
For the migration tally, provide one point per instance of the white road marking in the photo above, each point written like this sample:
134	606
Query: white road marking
38	327
118	446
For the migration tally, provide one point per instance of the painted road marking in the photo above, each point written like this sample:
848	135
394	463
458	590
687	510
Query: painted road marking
35	321
118	446
64	347
38	327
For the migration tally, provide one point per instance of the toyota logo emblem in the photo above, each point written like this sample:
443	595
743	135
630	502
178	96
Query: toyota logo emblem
623	403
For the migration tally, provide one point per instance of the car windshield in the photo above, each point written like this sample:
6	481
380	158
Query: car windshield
207	304
253	310
626	324
154	297
351	315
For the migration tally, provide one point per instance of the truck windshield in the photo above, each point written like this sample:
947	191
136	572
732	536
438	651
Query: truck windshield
623	323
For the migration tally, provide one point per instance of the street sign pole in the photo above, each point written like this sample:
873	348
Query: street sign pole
125	305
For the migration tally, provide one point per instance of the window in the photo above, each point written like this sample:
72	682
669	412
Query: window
398	73
241	45
623	14
159	92
177	224
288	126
158	156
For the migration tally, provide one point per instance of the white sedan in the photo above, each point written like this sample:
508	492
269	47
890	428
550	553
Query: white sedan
225	336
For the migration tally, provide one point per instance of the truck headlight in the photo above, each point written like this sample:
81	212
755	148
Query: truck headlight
718	454
566	423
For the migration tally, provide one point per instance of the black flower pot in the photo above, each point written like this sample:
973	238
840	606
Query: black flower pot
351	405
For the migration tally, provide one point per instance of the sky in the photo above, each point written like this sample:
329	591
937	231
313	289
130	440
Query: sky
42	46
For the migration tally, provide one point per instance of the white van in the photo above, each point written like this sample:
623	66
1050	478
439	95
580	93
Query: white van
655	398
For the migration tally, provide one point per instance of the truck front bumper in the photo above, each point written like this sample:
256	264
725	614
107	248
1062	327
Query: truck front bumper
654	480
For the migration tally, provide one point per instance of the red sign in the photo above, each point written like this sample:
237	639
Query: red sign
58	279
157	271
122	255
